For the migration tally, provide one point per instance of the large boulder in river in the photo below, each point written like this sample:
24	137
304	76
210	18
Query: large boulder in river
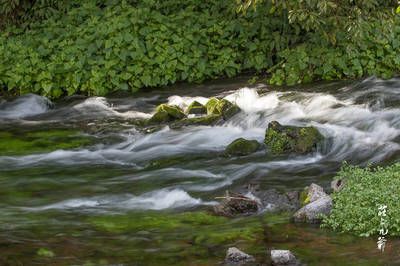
221	107
234	204
242	147
283	258
166	113
235	257
291	139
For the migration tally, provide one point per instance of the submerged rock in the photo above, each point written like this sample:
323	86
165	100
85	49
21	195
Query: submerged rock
234	256
166	113
274	201
196	108
290	139
242	147
283	257
236	204
221	107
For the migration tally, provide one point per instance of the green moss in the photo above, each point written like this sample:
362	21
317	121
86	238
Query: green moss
241	147
154	221
42	141
201	228
227	109
166	113
211	106
355	207
287	139
44	252
207	120
304	198
196	108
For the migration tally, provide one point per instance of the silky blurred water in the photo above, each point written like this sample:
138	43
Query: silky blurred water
47	195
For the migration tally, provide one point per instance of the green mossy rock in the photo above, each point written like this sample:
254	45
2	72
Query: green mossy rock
207	120
221	107
290	139
196	108
242	147
211	106
227	109
166	113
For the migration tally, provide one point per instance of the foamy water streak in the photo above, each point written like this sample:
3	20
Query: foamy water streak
155	200
24	106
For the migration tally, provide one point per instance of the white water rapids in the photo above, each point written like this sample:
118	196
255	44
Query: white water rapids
360	123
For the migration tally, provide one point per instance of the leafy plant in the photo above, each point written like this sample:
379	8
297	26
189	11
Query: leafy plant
355	207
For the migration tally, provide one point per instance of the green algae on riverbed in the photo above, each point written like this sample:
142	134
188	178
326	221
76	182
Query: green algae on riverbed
24	143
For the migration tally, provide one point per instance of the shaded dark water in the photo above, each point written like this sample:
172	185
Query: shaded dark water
80	185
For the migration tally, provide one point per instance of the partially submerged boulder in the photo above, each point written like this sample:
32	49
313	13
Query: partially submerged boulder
166	113
283	258
274	201
291	139
236	204
196	108
311	213
242	147
311	193
234	256
315	202
221	107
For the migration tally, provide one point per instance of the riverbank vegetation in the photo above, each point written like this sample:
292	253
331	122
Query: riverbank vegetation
356	206
97	47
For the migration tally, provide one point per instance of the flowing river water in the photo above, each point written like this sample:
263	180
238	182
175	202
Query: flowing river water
81	185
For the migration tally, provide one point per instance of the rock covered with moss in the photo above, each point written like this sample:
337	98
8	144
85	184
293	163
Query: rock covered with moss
242	147
291	139
221	107
196	108
166	113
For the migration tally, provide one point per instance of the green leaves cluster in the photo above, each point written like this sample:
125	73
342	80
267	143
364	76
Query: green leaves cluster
375	53
355	208
96	49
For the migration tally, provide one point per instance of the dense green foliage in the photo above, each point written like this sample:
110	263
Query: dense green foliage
96	47
355	207
99	49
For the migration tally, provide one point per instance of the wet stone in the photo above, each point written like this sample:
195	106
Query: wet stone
234	256
242	147
283	258
234	204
